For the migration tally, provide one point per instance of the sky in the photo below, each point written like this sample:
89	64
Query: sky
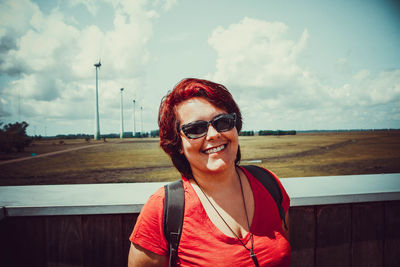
301	65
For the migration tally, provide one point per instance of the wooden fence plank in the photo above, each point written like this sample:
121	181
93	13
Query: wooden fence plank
64	241
23	242
392	234
4	242
302	236
103	235
128	222
333	236
367	234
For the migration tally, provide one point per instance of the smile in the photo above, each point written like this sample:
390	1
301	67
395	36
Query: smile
214	149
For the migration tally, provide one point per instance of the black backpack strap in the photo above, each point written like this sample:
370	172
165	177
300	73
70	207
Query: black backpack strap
269	182
174	207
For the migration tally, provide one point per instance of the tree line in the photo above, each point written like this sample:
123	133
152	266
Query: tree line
267	132
13	137
278	132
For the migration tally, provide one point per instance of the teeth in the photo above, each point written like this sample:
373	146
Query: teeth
215	149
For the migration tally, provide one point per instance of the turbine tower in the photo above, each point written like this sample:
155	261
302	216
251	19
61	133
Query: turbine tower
97	120
122	116
134	121
141	119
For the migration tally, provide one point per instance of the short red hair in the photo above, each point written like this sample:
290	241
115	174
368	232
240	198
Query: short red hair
170	139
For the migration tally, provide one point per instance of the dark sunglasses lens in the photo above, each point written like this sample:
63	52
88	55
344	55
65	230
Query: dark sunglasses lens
224	123
196	130
221	123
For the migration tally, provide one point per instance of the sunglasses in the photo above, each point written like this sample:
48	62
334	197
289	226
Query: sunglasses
221	123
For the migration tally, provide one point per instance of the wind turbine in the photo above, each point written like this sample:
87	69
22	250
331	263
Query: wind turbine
122	116
141	120
97	120
134	121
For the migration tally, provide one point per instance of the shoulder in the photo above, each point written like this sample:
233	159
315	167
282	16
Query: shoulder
154	203
255	181
148	230
250	170
152	209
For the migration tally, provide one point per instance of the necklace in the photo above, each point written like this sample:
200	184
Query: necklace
250	250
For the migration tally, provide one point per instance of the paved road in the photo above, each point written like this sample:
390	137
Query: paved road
48	154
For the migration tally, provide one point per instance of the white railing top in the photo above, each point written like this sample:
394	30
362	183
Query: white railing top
37	200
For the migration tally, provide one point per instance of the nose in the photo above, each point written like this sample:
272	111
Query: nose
212	132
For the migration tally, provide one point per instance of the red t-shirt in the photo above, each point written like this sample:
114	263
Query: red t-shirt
203	244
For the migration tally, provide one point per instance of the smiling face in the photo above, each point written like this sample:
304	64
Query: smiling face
214	152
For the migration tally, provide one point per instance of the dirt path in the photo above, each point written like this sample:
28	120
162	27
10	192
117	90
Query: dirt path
48	154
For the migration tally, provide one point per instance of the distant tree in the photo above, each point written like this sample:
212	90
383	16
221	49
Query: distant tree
13	137
73	136
246	133
141	135
278	132
265	132
155	133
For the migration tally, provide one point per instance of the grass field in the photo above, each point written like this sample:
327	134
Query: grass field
141	160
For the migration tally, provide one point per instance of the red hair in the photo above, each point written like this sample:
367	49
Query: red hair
170	140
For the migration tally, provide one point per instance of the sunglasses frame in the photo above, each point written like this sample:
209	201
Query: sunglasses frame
212	121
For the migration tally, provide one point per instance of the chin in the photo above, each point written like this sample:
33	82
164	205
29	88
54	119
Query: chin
219	166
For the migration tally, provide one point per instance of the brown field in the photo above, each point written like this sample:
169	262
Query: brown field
141	160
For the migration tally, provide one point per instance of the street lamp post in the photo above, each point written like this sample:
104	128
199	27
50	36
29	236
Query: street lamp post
97	120
122	116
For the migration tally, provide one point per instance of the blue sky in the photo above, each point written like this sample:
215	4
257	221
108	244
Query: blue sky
289	64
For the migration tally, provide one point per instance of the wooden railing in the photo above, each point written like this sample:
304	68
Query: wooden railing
335	221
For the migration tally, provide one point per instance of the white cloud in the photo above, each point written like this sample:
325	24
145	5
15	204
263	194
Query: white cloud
27	86
168	4
16	15
365	89
51	61
165	4
256	53
259	64
379	90
89	4
15	19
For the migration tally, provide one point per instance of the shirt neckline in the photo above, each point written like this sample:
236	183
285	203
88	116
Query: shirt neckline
213	228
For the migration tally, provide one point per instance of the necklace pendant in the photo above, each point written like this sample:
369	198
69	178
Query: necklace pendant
254	258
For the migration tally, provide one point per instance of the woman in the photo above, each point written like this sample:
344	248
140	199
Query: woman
228	213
